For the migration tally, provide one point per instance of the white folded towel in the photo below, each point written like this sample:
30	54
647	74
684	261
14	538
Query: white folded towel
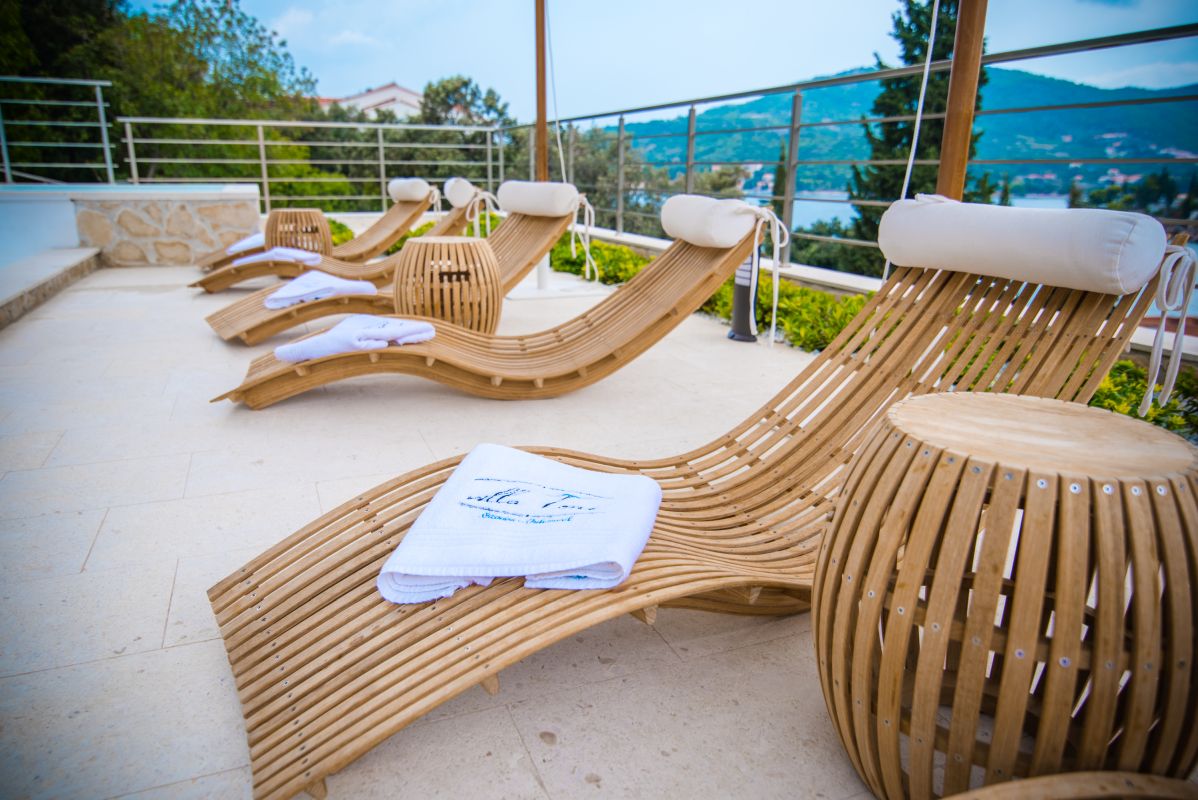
354	333
505	513
254	240
306	257
316	285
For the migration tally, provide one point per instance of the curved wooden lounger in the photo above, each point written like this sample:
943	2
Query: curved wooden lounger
552	362
326	669
1087	786
399	218
519	243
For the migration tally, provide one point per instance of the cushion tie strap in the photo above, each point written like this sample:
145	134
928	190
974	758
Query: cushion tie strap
780	236
435	200
1173	293
482	201
588	221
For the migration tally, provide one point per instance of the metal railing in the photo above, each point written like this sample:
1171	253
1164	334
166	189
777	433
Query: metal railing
683	170
76	117
306	161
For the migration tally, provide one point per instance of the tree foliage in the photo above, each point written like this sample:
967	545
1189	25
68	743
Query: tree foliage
458	100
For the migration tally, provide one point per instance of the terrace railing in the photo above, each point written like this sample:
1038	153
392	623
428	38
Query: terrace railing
616	130
51	128
340	165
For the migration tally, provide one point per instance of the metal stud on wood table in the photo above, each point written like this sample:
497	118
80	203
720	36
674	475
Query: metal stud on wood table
454	278
1008	590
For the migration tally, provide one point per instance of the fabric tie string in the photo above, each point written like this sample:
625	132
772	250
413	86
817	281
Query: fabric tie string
1174	289
435	202
780	236
482	202
588	221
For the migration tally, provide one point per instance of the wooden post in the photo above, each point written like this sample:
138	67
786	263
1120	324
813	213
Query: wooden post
542	151
962	97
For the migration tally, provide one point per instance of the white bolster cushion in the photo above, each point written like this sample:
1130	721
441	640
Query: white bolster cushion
408	190
538	198
1092	249
706	222
459	192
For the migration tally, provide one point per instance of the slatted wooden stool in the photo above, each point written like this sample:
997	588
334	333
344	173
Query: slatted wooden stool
1088	786
454	278
302	228
1010	589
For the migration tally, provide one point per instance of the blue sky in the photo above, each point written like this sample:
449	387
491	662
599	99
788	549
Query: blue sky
612	54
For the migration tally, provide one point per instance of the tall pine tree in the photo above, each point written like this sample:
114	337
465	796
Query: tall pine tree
892	140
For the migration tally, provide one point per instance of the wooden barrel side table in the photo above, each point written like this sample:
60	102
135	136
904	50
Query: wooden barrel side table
1010	589
454	278
302	228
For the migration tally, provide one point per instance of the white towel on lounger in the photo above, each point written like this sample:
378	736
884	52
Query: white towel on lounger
505	513
354	333
306	257
316	285
254	240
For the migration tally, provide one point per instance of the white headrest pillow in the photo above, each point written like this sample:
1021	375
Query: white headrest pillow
705	222
537	198
459	192
408	190
1112	252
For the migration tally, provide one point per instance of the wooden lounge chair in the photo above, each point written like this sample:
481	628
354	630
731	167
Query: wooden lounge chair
397	221
326	670
520	241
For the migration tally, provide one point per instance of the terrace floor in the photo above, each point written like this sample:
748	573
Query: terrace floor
124	495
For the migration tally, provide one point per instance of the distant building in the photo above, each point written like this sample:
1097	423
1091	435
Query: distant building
403	102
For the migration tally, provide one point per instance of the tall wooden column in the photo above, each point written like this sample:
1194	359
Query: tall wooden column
962	97
542	151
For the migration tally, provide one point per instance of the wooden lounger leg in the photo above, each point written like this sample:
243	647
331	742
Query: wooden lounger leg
647	615
491	684
318	790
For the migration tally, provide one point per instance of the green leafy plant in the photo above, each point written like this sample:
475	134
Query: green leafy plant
616	263
808	318
1123	389
341	232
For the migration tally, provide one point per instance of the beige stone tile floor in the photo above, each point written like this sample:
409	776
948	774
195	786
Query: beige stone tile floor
124	494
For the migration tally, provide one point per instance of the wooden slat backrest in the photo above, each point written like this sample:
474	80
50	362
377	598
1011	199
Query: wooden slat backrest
521	241
394	222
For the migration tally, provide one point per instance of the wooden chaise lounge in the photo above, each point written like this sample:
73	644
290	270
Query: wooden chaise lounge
326	669
397	221
520	241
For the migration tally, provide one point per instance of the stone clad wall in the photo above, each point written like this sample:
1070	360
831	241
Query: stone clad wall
155	231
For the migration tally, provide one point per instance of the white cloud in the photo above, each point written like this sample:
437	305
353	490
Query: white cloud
1156	75
352	38
292	21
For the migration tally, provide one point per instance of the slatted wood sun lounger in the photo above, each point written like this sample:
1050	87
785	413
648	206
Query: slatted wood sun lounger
326	669
399	220
519	242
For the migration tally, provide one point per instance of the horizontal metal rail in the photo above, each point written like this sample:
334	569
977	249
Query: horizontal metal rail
279	123
59	81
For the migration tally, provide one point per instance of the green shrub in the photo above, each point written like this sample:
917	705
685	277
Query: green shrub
341	232
808	318
616	263
426	227
1123	389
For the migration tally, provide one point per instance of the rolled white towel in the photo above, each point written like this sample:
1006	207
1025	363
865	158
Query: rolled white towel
508	513
316	285
254	240
294	254
355	333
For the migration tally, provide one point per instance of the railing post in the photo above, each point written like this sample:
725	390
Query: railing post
4	149
132	153
104	133
620	176
490	174
532	156
690	151
571	133
500	146
265	172
382	172
792	161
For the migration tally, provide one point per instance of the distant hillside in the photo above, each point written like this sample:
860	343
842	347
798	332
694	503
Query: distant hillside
1149	131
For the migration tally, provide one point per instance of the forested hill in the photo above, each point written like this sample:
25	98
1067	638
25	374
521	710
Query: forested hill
1165	130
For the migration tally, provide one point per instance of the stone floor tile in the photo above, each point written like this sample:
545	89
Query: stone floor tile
120	725
234	784
47	545
71	619
697	634
190	618
28	493
27	450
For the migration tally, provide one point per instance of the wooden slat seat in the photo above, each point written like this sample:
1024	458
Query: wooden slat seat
519	243
326	669
347	256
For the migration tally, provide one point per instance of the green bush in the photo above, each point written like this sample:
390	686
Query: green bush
808	318
1123	389
426	227
616	263
341	232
